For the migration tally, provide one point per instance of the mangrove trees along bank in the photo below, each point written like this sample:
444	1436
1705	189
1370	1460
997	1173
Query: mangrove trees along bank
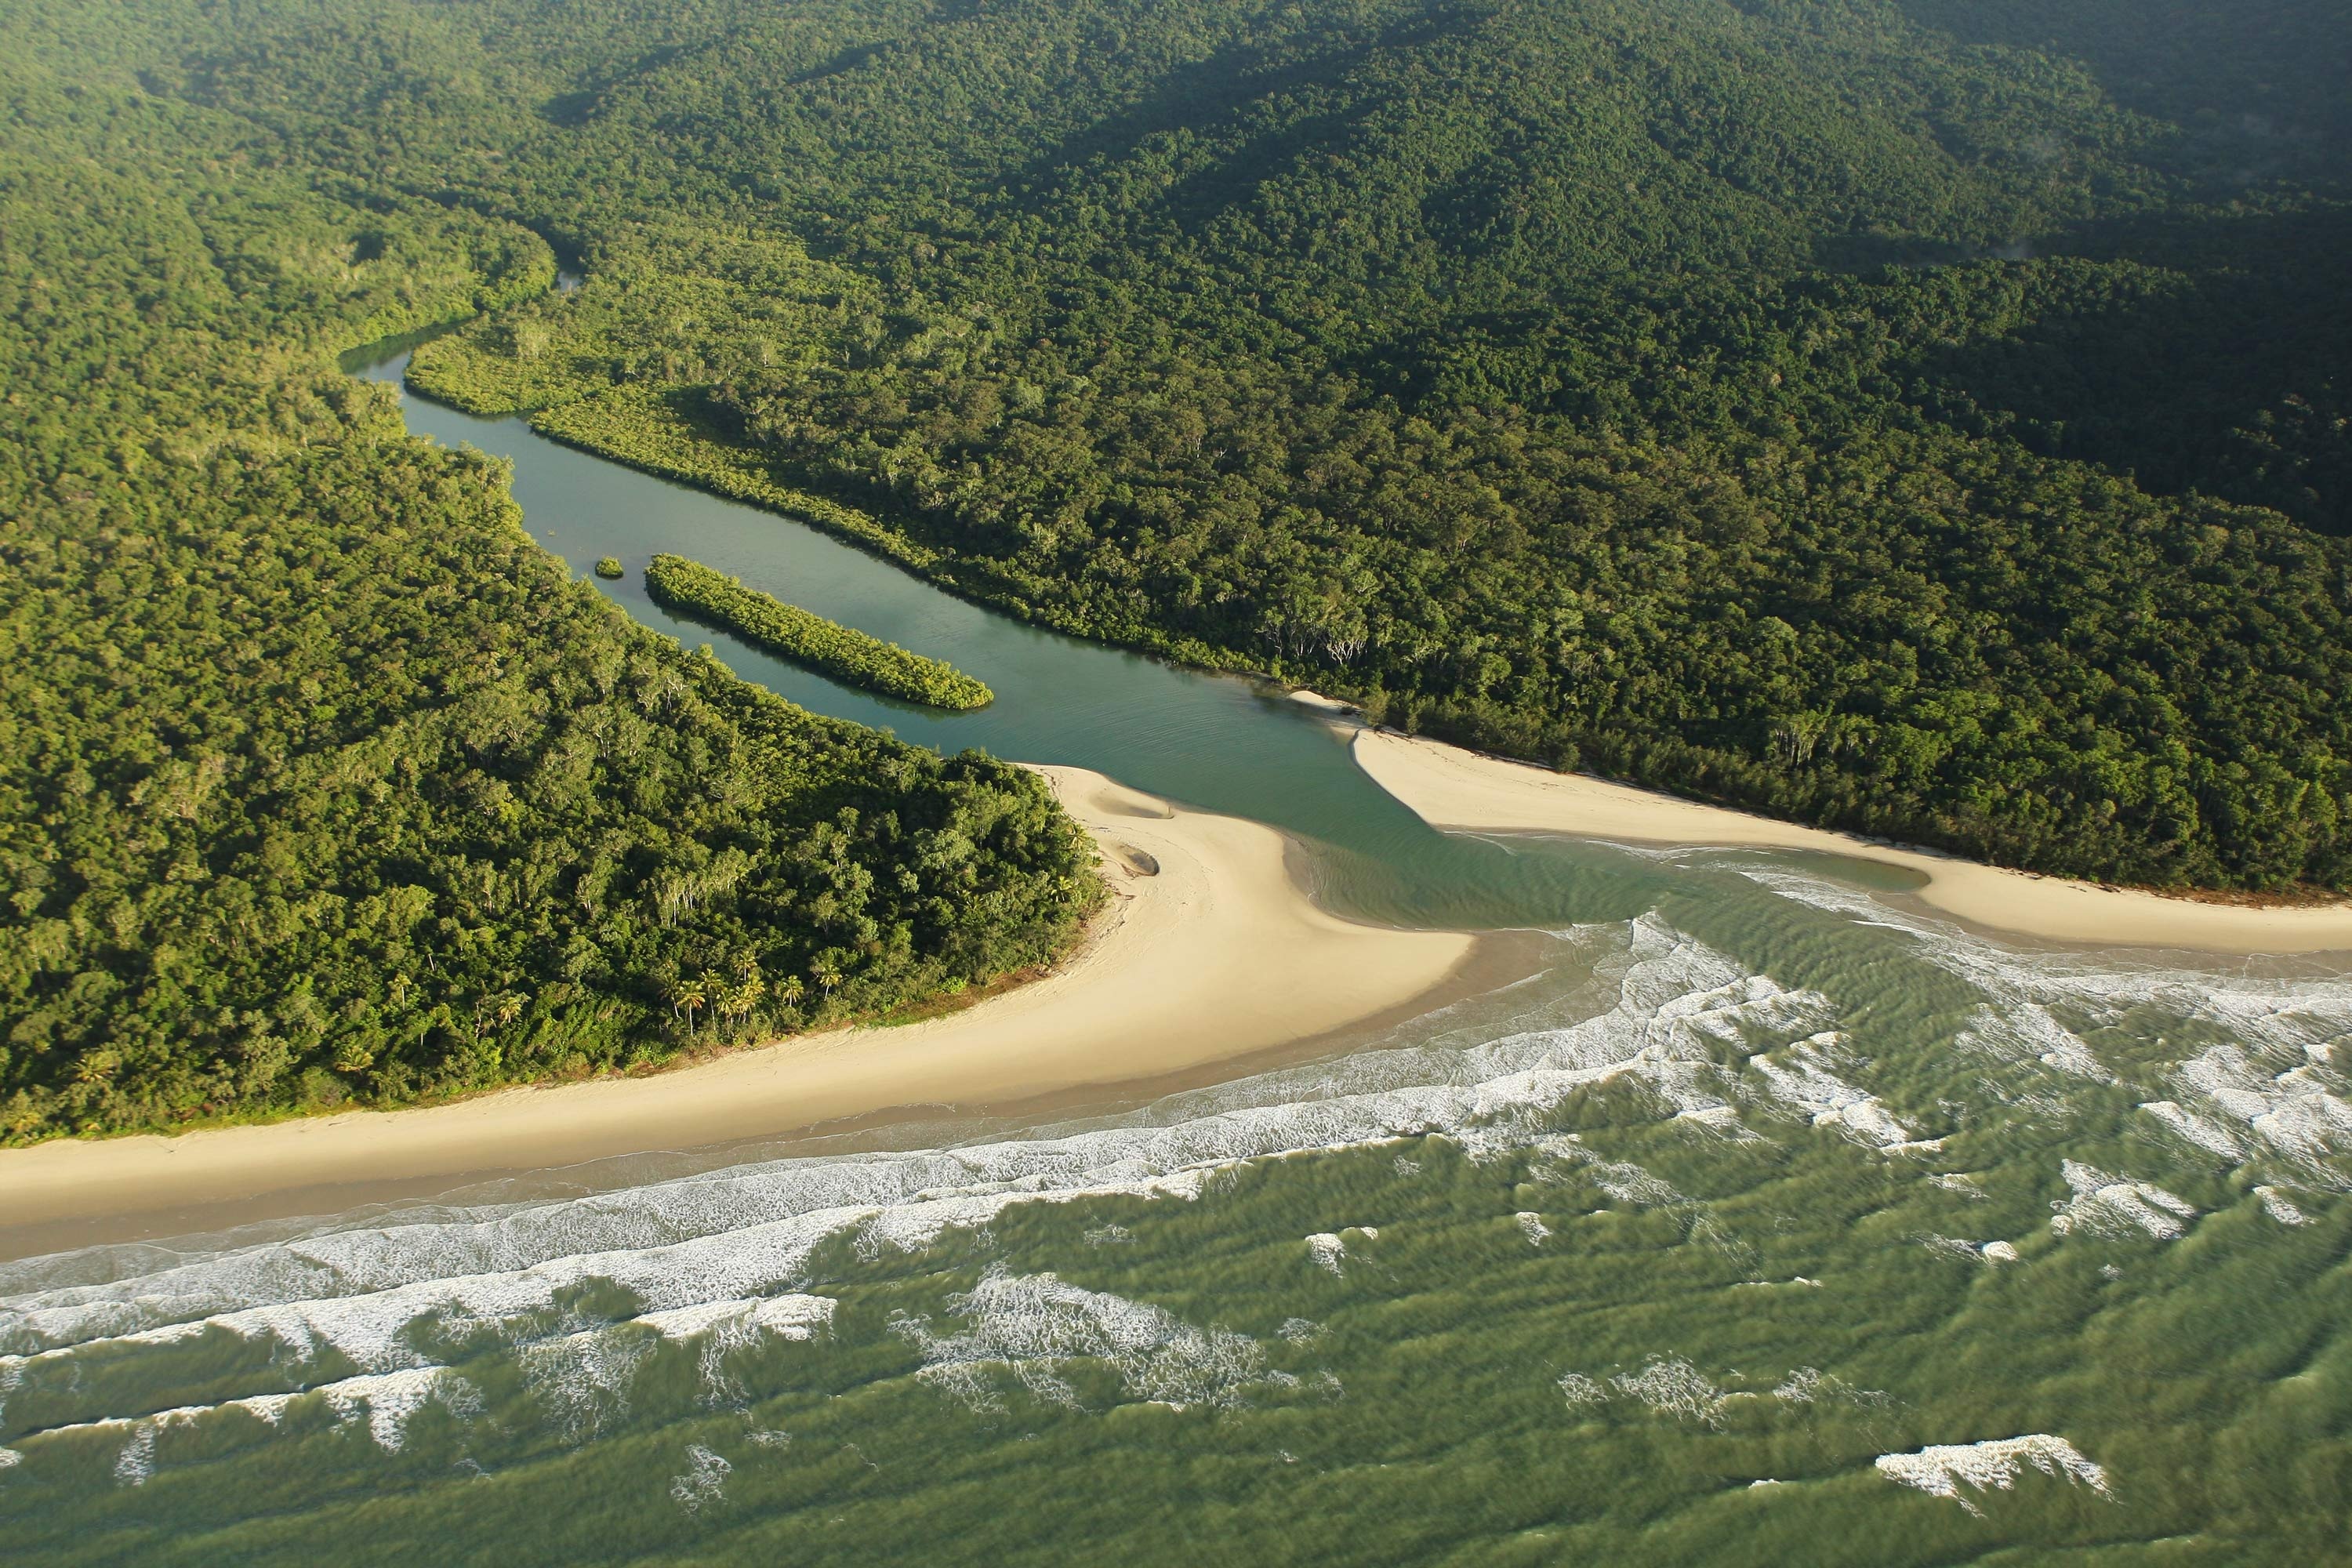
827	647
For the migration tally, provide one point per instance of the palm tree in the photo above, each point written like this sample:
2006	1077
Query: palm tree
497	1012
734	1001
689	995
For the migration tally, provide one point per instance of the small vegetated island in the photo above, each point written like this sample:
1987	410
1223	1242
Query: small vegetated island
806	637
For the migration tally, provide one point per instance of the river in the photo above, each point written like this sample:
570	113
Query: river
1761	1219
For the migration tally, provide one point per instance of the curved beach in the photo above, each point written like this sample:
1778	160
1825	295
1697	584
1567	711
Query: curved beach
1210	950
1453	789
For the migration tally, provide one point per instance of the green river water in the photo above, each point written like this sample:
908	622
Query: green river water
1761	1219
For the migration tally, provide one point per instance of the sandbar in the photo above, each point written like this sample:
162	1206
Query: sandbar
1209	951
1453	789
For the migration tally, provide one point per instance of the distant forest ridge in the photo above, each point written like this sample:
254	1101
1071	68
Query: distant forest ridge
1925	420
1928	418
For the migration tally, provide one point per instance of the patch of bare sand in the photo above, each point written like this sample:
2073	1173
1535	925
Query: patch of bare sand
1451	788
1211	951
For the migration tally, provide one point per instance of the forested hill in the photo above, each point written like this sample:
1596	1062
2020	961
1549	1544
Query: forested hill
1916	416
1920	417
318	782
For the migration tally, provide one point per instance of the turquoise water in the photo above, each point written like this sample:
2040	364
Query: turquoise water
1763	1219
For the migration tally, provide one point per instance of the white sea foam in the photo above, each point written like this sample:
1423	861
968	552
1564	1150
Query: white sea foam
704	1479
1994	1464
1802	1387
2278	1020
1721	1120
10	1459
1532	1227
136	1464
717	1329
788	1317
267	1409
365	1292
1630	1183
1811	1385
2019	1029
2281	1207
1673	1387
406	1291
2202	1132
1033	1326
2292	1112
1579	1389
389	1401
1974	1251
2105	1205
1804	1078
582	1380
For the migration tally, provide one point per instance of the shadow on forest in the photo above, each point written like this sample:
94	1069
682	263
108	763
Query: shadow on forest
2253	88
1203	97
2228	372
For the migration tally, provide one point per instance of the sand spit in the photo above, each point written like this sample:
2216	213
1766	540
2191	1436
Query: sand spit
1211	951
1452	788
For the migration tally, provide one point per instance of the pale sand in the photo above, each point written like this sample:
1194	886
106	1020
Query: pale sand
1450	788
1209	952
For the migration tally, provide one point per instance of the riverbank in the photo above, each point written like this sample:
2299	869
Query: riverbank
1211	951
1458	790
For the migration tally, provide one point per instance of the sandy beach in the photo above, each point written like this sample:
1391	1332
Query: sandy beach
1209	952
1451	788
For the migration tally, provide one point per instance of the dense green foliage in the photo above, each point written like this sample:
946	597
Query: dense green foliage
1923	420
318	779
1920	417
827	647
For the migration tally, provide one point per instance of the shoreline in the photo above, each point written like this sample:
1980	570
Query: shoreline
1210	951
1454	790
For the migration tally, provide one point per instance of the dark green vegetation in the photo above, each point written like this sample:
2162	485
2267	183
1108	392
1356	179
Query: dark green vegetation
1919	417
827	647
608	566
317	781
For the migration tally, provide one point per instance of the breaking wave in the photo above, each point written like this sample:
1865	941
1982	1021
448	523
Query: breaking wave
1992	1465
713	1262
1035	1327
583	1291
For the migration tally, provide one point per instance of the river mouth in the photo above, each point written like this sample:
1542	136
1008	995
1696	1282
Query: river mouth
1724	1206
1221	742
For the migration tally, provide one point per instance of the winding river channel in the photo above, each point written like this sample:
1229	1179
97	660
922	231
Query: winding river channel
1221	742
1759	1218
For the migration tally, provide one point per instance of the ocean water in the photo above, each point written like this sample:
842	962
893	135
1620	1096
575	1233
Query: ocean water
1762	1218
